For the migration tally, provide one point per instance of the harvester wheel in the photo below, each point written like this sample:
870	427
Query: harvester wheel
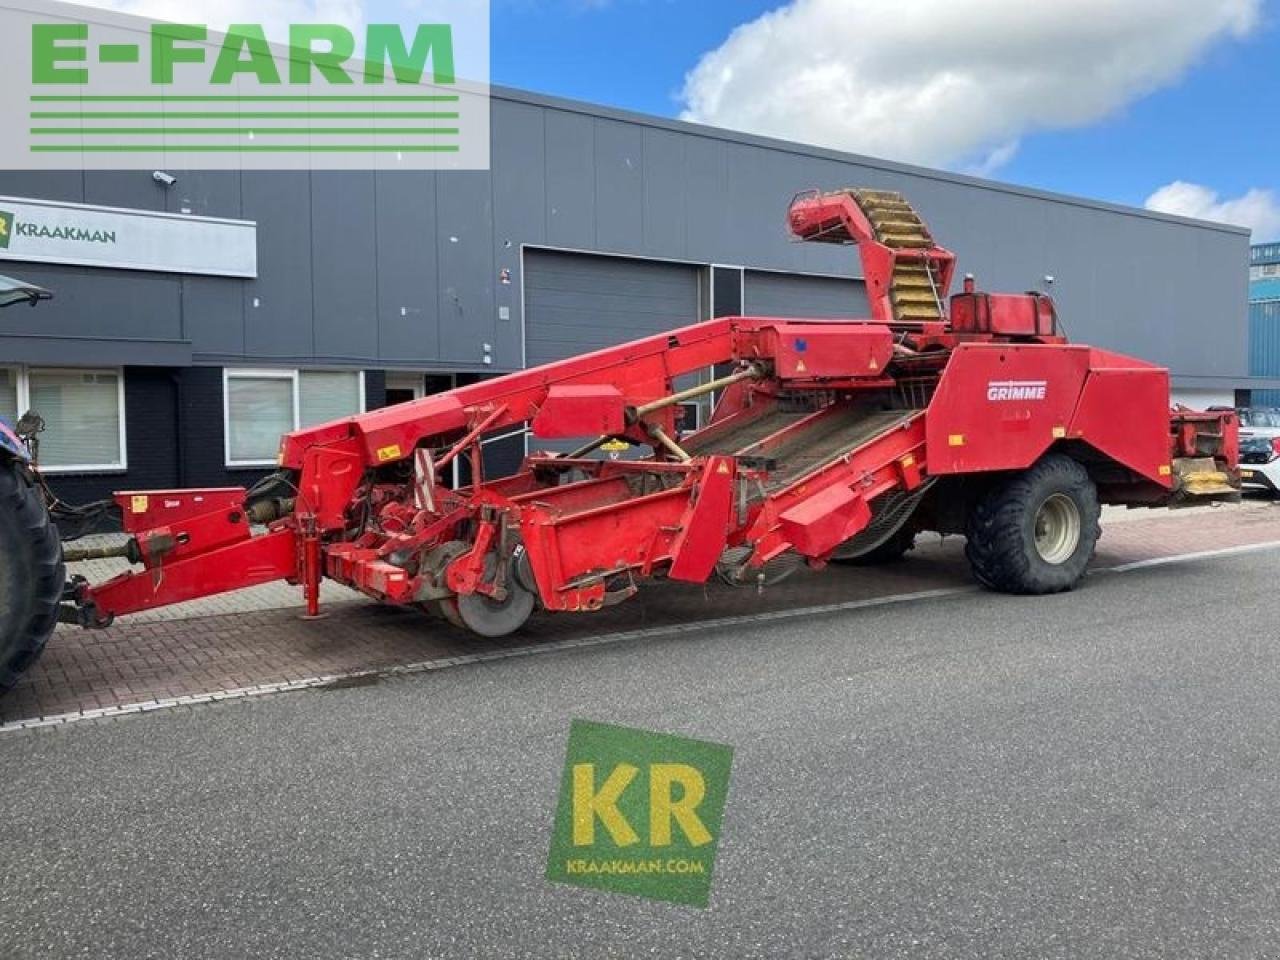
31	573
496	618
447	607
1036	532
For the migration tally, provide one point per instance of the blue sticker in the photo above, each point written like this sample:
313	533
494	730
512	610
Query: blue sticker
801	345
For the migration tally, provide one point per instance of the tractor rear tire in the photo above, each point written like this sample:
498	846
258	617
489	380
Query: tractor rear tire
1036	532
32	574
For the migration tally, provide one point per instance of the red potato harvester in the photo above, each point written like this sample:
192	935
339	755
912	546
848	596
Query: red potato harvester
829	441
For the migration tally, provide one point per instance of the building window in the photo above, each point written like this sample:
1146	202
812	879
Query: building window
9	395
260	406
325	395
83	413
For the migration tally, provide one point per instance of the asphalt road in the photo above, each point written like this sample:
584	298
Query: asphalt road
1090	775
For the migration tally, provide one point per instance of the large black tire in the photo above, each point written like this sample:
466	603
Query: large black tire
1036	532
32	574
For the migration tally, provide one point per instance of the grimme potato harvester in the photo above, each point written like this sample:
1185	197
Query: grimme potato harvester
828	441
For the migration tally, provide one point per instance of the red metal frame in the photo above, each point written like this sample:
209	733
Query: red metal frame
367	504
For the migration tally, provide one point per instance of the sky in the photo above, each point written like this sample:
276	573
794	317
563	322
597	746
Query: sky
1169	103
1163	103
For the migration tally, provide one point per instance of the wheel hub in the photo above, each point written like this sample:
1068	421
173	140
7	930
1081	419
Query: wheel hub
1057	529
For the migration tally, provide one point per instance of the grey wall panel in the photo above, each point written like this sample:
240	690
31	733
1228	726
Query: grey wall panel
278	304
705	195
575	303
1129	312
464	239
117	304
205	193
619	186
753	222
344	264
213	315
1208	306
64	185
407	271
519	212
571	176
125	188
520	179
1074	267
666	194
793	295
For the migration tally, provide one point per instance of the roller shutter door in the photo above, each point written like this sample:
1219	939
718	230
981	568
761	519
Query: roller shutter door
795	295
578	302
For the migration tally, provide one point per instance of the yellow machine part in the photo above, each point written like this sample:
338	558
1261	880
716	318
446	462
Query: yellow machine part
914	291
1200	477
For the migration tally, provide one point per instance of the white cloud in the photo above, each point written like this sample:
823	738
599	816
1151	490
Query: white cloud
949	82
1259	210
995	158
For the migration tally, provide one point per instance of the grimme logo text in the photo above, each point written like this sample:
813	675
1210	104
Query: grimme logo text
1017	390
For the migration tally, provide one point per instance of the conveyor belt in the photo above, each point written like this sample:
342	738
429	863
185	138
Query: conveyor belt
830	439
913	290
738	439
826	440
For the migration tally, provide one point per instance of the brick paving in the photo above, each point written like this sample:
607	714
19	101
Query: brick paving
256	638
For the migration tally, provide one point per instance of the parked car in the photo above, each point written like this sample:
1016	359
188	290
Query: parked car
1260	449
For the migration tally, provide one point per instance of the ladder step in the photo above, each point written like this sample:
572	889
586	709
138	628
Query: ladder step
920	282
918	312
898	228
891	196
888	210
901	240
904	297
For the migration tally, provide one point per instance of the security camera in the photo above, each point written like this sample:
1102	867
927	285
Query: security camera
164	179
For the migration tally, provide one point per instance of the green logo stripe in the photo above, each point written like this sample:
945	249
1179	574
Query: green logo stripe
243	148
256	131
243	98
234	114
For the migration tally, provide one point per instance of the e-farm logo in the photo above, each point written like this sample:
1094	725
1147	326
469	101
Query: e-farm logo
639	813
112	90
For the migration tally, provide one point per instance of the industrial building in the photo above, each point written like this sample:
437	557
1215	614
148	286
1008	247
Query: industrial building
1264	319
199	314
